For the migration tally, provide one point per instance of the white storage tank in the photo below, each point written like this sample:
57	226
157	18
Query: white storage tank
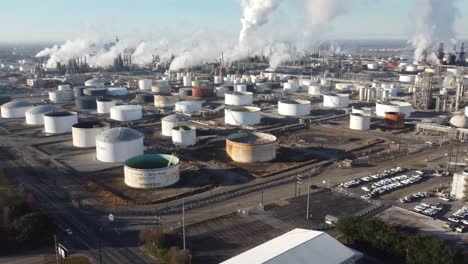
221	91
187	81
126	112
405	78
315	90
344	87
84	134
60	96
188	106
184	136
294	107
95	83
393	106
466	111
169	122
359	121
117	91
59	122
165	100
161	82
161	89
363	111
145	84
240	88
104	105
118	144
151	171
64	87
15	109
242	115
218	80
35	115
372	66
411	68
290	87
238	98
335	100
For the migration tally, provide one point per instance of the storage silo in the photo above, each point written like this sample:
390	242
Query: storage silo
289	87
405	78
242	115
335	100
95	83
84	134
218	79
95	91
187	81
151	171
126	113
202	92
188	106
294	107
78	91
63	87
104	105
86	102
185	92
60	96
15	109
238	98
184	136
59	122
145	84
250	147
117	91
145	98
161	89
221	91
359	122
240	88
35	115
393	106
315	90
171	121
165	100
119	144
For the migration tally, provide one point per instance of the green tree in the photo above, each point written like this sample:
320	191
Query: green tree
34	229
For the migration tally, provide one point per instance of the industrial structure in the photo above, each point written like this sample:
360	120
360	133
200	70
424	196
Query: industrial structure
151	171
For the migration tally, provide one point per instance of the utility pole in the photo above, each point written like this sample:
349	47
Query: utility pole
183	222
262	199
308	198
55	245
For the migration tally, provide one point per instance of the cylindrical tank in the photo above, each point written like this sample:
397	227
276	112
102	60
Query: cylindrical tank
404	78
218	80
362	111
60	96
290	87
59	122
64	87
343	87
188	106
250	147
187	81
238	98
394	120
315	90
95	83
84	134
78	91
335	100
161	89
95	91
145	84
104	105
240	88
151	171
185	92
466	111
363	93
165	100
86	102
411	68
117	91
15	109
126	112
35	115
393	106
359	122
145	98
118	144
221	91
242	115
294	107
202	92
372	66
169	122
184	136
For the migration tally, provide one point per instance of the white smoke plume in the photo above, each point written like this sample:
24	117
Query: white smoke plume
435	23
255	15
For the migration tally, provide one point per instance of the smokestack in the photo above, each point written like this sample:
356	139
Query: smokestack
441	53
461	55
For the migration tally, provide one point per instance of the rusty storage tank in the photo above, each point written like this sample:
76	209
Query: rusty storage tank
202	92
394	120
165	100
250	147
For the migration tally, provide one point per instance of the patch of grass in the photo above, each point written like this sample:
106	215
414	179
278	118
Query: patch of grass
419	165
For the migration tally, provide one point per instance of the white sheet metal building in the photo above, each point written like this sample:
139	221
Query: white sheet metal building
299	246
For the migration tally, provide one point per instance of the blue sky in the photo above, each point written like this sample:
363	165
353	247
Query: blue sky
57	20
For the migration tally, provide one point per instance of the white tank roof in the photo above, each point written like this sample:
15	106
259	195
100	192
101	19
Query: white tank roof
16	104
460	121
42	109
119	134
176	117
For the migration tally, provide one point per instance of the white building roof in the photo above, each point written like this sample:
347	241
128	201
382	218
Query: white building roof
296	247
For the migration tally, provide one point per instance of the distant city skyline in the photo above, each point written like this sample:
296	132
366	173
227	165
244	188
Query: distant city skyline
54	21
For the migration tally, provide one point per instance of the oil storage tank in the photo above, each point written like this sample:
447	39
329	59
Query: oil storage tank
126	113
161	89
165	100
171	121
250	147
15	109
394	120
35	115
95	83
184	136
117	91
335	100
78	91
151	171
104	105
188	106
84	134
95	91
381	107
86	102
59	122
145	84
315	90
238	98
202	92
60	96
359	121
242	115
119	144
294	107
